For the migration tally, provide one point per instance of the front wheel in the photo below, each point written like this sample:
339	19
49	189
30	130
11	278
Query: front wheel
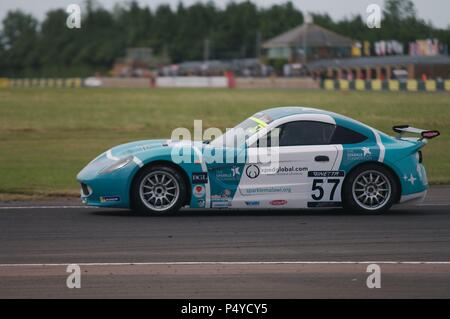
370	188
158	189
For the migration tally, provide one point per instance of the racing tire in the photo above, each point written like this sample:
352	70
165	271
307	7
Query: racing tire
158	190
370	189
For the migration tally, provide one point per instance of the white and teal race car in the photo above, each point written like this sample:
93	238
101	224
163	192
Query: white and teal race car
318	159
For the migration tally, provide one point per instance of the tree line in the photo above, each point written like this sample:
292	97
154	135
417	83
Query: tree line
48	48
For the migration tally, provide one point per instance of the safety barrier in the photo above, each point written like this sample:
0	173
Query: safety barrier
193	82
188	82
387	85
41	82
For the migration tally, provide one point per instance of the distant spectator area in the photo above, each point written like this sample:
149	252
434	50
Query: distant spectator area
383	68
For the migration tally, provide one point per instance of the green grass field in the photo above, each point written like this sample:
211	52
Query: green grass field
48	135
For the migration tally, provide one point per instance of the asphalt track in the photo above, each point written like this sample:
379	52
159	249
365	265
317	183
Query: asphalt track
225	254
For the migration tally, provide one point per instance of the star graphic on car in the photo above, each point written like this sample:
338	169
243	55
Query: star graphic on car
366	151
411	179
235	171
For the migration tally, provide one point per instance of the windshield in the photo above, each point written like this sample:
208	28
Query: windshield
240	133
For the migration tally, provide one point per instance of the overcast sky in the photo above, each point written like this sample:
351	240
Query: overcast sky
436	11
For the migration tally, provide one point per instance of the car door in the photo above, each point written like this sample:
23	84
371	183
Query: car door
224	175
301	177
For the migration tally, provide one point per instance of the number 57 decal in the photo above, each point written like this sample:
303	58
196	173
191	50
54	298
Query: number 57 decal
326	185
318	191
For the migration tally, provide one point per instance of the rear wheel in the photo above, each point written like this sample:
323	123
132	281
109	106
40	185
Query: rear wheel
158	189
370	188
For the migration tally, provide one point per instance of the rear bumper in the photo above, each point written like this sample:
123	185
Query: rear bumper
413	199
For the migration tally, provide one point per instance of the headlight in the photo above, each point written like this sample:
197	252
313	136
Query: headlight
117	165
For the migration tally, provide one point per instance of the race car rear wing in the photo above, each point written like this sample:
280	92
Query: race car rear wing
425	134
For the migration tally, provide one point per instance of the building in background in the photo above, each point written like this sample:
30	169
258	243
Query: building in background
307	42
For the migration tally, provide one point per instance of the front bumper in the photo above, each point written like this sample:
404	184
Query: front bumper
106	190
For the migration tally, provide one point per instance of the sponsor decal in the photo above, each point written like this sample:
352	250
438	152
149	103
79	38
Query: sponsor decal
278	202
235	171
200	178
268	190
326	174
223	200
104	199
363	153
252	171
252	203
221	204
225	195
201	203
366	151
232	174
199	191
147	147
283	170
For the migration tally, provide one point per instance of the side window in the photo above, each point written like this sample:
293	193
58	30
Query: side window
343	135
305	133
266	141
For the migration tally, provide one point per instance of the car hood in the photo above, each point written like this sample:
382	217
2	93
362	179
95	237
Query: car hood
135	148
144	146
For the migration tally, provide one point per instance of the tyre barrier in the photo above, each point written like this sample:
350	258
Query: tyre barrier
41	82
387	85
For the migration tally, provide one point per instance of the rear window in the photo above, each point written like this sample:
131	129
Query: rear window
343	135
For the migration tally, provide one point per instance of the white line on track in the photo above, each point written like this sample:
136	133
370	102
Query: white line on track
431	204
44	207
234	263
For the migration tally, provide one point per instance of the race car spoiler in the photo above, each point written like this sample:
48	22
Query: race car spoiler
425	134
